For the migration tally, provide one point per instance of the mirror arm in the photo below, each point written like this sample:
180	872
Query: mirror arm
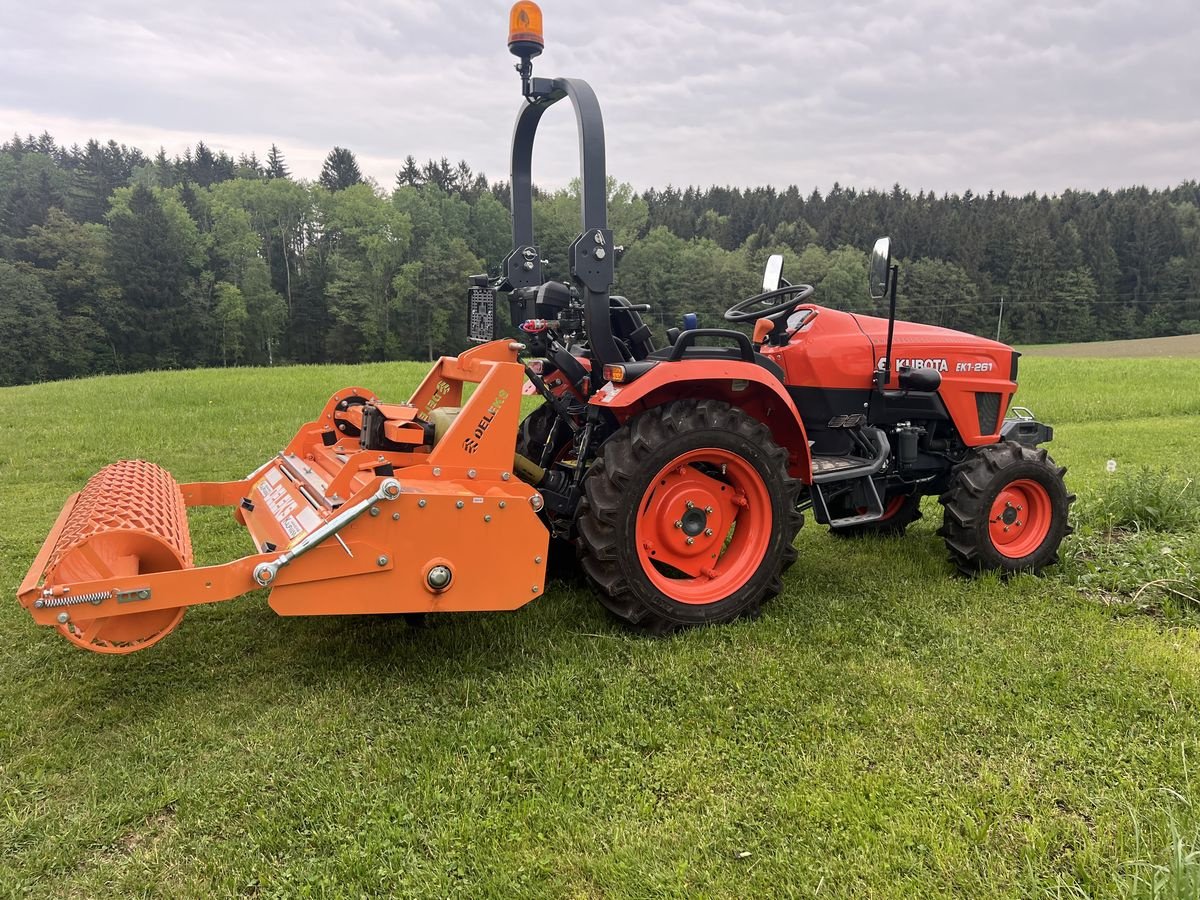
882	377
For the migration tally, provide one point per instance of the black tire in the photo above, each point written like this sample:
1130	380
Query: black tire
618	490
893	525
562	563
969	525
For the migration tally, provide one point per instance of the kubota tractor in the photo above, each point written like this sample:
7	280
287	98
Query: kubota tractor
678	475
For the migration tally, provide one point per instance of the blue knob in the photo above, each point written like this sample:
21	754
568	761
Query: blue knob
690	321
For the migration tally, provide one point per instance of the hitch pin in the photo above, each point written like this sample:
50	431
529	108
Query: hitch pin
338	538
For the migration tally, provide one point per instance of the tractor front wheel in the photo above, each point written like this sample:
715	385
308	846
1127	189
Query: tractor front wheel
1005	510
688	517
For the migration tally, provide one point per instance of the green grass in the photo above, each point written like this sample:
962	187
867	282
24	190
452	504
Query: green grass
885	729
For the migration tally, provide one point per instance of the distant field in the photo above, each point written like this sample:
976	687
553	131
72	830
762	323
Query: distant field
1180	345
885	729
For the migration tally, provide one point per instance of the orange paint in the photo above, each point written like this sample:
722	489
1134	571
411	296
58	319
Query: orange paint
122	544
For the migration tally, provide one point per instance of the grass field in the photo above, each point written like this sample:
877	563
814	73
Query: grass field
1177	345
884	730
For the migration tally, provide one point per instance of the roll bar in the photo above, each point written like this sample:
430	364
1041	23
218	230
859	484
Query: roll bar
591	254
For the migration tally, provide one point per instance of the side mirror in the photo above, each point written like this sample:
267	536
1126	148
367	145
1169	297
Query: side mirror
773	274
881	267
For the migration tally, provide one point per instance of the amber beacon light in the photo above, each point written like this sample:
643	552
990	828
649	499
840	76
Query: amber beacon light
525	30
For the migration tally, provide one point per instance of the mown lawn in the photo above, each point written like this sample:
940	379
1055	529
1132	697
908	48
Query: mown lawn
885	729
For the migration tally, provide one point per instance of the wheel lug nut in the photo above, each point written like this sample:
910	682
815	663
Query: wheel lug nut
708	532
690	505
708	510
678	523
691	541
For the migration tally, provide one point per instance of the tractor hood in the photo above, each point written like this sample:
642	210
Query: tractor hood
930	346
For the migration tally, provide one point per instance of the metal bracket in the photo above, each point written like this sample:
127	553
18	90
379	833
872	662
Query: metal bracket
264	573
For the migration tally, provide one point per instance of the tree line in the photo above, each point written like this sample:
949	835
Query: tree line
114	261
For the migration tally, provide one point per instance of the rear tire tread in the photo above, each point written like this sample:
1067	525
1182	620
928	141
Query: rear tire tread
612	484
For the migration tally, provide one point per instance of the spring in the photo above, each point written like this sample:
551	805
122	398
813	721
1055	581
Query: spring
55	602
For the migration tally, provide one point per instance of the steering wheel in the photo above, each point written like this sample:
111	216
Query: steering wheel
744	311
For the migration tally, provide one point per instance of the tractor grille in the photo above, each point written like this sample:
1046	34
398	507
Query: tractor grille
987	405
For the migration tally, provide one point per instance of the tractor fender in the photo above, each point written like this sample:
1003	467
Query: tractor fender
742	384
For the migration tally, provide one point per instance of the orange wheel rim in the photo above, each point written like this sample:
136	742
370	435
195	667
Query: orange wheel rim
703	526
1020	518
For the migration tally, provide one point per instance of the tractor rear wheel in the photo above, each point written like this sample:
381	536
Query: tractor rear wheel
688	517
1005	510
899	511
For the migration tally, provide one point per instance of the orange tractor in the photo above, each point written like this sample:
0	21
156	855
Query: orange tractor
677	476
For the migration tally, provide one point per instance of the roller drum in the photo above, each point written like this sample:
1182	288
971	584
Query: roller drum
130	519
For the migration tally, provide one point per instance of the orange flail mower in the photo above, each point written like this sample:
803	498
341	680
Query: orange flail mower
675	477
341	529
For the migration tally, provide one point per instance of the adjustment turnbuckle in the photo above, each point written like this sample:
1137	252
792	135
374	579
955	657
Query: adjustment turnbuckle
264	573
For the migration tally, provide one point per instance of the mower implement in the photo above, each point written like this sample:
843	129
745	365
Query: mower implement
371	508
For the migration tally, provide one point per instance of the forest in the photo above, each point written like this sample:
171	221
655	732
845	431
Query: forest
115	261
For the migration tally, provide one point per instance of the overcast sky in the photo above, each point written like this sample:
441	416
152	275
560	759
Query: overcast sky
979	94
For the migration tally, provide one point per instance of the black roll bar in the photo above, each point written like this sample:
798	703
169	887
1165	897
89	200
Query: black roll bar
591	254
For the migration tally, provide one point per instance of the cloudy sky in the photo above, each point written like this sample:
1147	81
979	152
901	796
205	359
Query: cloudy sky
979	94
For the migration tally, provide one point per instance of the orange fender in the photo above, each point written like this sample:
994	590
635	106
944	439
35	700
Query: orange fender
742	384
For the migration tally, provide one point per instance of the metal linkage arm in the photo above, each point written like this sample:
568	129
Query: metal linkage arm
264	573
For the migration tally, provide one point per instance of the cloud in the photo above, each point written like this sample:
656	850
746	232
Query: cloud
946	96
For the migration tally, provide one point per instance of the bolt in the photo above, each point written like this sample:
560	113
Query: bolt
395	517
63	618
527	266
487	518
1019	508
600	254
691	541
374	511
421	504
537	502
708	510
537	560
535	588
1017	523
382	560
708	532
437	470
438	577
38	604
459	505
504	476
341	426
470	473
678	523
503	504
690	505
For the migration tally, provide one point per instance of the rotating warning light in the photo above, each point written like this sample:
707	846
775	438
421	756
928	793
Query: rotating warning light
525	30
